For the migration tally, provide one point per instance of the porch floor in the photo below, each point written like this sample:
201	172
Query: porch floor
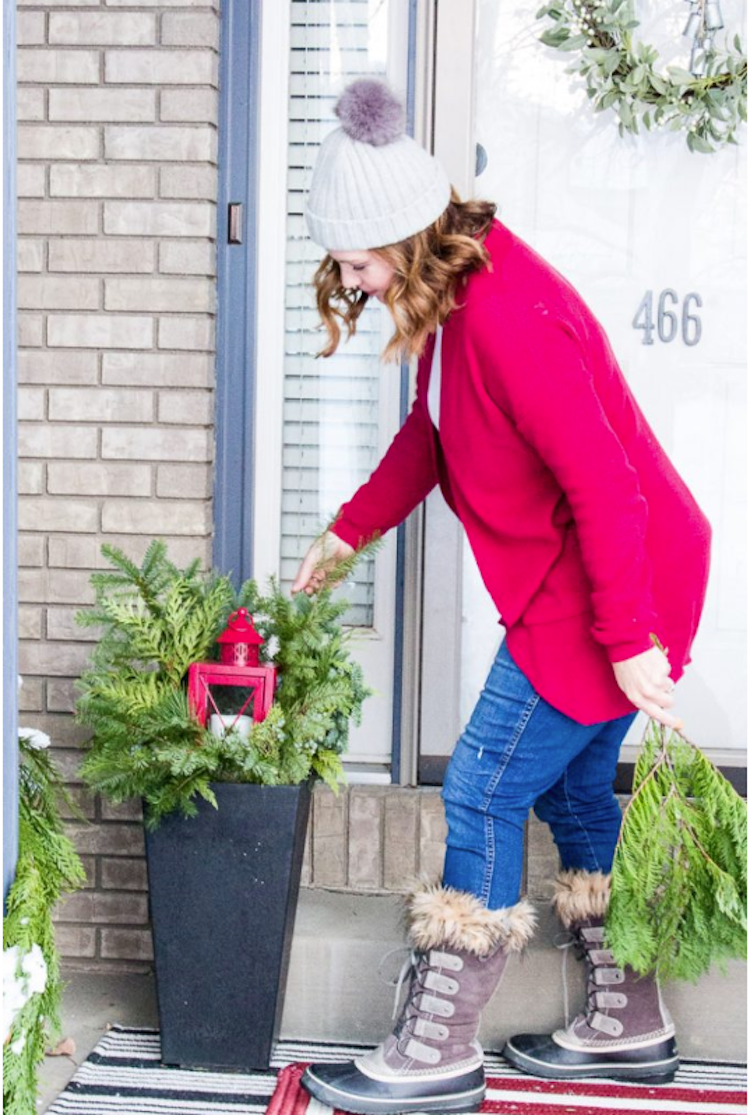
339	941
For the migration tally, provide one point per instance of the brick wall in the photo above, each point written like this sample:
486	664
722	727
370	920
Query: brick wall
117	182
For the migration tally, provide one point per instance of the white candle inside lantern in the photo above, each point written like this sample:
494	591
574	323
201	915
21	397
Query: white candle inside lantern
221	725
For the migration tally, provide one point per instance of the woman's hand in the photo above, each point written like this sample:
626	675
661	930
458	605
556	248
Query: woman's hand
319	565
646	683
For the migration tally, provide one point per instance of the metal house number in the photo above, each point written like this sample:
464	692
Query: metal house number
667	321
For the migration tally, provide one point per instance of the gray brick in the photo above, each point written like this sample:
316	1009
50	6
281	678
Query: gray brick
84	802
57	367
124	874
45	292
66	735
29	28
29	103
188	182
100	331
186	332
29	622
84	552
75	940
56	67
101	255
187	257
306	873
161	67
39	141
102	28
61	625
31	403
156	444
542	860
190	29
30	180
89	105
30	328
161	143
31	549
111	479
199	105
156	218
97	180
89	866
432	833
159	294
58	514
31	696
50	217
184	481
31	479
30	254
61	692
68	762
40	439
122	811
95	907
400	847
365	839
108	839
156	516
188	408
127	944
329	838
160	369
64	586
100	404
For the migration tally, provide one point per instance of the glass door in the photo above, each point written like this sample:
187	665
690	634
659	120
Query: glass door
641	227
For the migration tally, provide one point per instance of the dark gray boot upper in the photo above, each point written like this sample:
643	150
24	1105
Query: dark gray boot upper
623	1010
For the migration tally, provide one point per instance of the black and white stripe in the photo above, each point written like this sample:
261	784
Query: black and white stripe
124	1076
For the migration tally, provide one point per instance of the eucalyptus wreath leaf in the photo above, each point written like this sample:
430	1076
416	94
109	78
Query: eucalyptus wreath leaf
626	77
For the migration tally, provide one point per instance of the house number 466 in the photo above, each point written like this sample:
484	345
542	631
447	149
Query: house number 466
668	321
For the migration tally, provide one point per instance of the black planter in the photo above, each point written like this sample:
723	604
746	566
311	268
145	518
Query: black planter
223	890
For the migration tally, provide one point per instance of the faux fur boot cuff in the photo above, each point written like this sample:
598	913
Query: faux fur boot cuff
580	895
442	917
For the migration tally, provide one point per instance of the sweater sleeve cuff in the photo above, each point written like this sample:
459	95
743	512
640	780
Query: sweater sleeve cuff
348	532
620	652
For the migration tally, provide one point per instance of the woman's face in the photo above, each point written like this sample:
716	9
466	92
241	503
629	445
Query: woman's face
364	271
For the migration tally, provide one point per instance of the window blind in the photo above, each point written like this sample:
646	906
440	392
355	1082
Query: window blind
331	406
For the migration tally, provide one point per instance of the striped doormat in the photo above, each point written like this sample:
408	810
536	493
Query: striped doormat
124	1076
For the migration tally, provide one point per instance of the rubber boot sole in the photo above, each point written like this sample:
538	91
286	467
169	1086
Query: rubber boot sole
550	1061
394	1099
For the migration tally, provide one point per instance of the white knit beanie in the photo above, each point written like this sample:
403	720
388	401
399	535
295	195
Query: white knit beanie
372	184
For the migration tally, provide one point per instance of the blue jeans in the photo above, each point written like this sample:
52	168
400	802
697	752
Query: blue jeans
517	752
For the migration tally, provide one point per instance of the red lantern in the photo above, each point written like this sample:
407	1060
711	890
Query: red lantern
237	689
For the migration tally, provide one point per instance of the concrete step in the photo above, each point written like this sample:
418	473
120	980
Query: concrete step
334	992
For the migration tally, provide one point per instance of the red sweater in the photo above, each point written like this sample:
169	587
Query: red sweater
584	534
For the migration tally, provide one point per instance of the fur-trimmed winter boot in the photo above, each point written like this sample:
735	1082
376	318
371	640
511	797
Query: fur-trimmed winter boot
626	1032
432	1061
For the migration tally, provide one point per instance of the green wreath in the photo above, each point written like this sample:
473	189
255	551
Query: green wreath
623	75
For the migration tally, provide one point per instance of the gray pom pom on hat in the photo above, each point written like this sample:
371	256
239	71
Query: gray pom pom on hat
372	184
370	113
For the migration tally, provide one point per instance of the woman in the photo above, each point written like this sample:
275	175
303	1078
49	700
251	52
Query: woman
591	547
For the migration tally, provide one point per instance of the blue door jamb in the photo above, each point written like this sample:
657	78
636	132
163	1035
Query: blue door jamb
398	647
239	65
10	524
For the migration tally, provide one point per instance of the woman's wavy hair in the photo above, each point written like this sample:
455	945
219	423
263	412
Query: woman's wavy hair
429	267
